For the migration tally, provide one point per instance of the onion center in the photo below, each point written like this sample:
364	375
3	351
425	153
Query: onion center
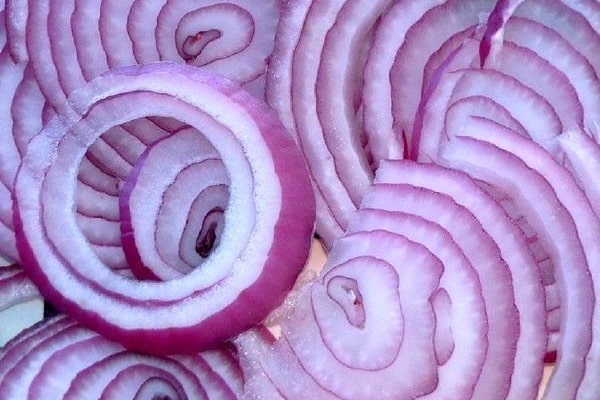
193	44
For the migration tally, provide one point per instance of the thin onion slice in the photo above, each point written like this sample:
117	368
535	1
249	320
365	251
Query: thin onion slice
567	236
461	324
64	360
260	253
346	293
512	243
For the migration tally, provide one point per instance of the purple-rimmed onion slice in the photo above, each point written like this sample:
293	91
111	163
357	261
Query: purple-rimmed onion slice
336	342
558	210
21	117
513	245
483	254
83	39
187	199
268	221
335	69
59	359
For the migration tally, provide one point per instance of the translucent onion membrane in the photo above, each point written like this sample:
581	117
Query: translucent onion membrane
426	241
268	215
59	359
350	79
20	302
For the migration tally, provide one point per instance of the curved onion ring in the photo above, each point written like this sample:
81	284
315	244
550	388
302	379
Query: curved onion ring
570	236
159	180
59	359
20	302
268	221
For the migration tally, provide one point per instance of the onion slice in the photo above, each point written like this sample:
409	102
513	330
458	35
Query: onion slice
66	361
261	250
143	224
20	303
513	245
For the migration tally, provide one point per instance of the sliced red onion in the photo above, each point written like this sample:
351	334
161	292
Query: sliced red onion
406	75
272	371
204	226
308	331
75	41
542	77
86	38
513	246
481	106
551	46
144	225
493	38
318	59
460	339
427	132
12	74
574	20
258	257
59	359
567	236
483	253
586	222
307	78
21	345
21	117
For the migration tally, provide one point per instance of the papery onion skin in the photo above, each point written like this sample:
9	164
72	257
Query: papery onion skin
274	275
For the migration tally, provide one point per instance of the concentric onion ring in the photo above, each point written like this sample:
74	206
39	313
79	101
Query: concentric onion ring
59	359
336	68
20	303
512	243
259	255
147	227
570	236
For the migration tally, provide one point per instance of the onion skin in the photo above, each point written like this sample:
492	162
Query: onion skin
274	271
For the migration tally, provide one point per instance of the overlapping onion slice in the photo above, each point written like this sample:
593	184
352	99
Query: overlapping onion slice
339	313
565	223
59	359
267	222
21	117
485	317
170	226
540	79
541	72
336	68
76	41
82	39
20	303
354	86
512	244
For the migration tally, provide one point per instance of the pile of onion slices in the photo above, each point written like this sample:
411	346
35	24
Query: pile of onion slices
445	152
